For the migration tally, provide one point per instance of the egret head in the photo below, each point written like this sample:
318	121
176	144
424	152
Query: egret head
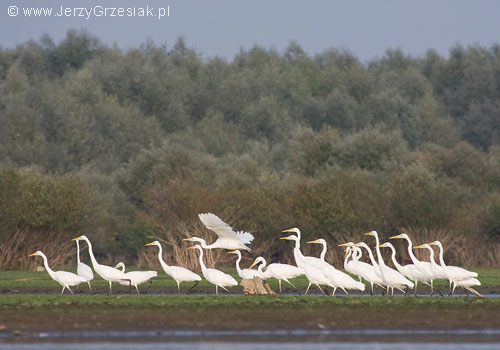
318	241
290	238
348	244
194	239
120	265
258	261
295	230
403	235
39	253
82	237
153	243
436	243
237	252
386	245
425	245
197	246
371	233
362	244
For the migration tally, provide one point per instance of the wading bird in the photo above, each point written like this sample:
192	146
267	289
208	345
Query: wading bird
312	266
338	279
178	273
214	276
245	273
457	275
108	273
228	239
422	266
391	277
278	271
136	277
364	270
83	270
64	278
409	270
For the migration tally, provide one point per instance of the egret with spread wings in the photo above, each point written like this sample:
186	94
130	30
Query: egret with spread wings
228	238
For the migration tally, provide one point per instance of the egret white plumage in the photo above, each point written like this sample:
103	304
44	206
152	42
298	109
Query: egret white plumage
409	270
214	276
136	277
457	275
227	237
64	278
178	273
83	269
278	271
244	273
108	273
338	279
422	266
312	266
391	277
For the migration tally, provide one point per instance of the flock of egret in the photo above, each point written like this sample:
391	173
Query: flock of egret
317	271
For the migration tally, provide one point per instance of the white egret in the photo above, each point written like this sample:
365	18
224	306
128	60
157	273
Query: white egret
422	266
178	273
391	277
312	266
371	271
338	279
228	239
364	270
216	277
245	273
108	273
278	271
457	275
136	277
82	269
349	264
409	270
64	278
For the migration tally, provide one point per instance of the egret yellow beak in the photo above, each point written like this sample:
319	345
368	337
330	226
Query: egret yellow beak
148	244
288	230
418	246
382	245
343	245
397	236
76	239
232	252
254	263
187	239
346	251
368	234
284	237
192	247
315	241
431	243
116	266
32	254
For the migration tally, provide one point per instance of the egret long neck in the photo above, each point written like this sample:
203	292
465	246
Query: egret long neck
410	253
46	264
202	264
379	254
238	264
163	264
393	257
323	252
297	253
441	259
431	258
349	252
372	259
78	251
91	253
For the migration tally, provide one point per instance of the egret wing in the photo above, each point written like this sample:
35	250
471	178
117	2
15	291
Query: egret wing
245	237
214	223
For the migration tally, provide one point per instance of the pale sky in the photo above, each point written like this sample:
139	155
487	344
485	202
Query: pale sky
222	27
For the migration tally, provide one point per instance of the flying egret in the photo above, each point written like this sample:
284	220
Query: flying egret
245	273
227	238
82	269
338	279
391	277
409	270
64	278
364	270
178	273
108	273
423	266
136	277
278	271
216	277
312	266
459	276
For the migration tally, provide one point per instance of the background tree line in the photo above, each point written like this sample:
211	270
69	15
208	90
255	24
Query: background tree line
125	145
